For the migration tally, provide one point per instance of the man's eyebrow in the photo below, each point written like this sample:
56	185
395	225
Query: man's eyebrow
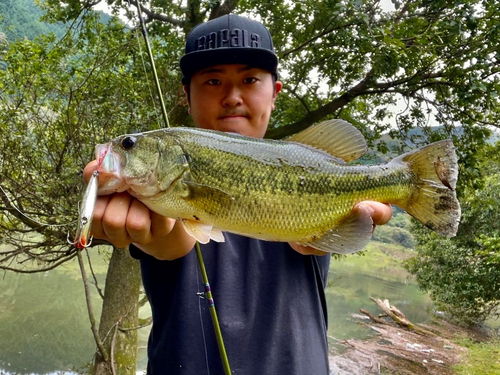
222	70
211	70
245	68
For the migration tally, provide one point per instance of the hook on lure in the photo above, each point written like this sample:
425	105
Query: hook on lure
82	237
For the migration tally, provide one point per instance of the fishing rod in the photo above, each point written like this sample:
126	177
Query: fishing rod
153	66
208	291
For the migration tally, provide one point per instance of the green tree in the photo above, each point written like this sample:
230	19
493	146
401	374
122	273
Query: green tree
350	59
58	99
439	56
463	274
21	19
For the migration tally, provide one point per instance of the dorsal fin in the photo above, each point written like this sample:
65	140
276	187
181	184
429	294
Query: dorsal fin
337	137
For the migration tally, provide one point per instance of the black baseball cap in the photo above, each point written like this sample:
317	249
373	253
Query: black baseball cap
230	39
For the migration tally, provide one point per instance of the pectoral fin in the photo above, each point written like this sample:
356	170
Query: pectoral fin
203	233
352	235
208	198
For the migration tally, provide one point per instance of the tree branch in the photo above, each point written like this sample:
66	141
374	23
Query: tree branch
113	343
158	16
465	113
299	98
316	115
90	4
223	9
327	31
373	317
148	322
317	36
93	275
18	270
90	310
397	316
17	213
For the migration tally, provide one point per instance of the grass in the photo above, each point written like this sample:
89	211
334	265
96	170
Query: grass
483	358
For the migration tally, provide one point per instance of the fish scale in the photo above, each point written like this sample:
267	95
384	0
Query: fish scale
281	190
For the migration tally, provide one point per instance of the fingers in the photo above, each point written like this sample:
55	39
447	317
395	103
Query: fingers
161	225
306	250
381	213
121	220
109	220
115	218
89	169
100	207
138	222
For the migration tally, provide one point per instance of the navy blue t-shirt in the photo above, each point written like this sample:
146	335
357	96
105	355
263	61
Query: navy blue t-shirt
270	302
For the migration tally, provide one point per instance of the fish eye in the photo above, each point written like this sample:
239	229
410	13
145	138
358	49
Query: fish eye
128	142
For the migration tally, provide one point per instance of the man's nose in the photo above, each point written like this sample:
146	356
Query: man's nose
232	97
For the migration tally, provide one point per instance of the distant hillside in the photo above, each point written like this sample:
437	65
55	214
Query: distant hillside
415	137
20	19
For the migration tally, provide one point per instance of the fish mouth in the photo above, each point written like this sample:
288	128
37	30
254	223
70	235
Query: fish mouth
110	167
106	161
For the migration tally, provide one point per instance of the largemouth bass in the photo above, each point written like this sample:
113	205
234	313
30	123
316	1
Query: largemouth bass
296	190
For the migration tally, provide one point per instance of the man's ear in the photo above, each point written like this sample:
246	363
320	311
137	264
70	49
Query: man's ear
278	85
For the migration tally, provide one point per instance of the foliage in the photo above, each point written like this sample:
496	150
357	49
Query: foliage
394	235
21	19
462	274
58	98
396	231
440	57
57	101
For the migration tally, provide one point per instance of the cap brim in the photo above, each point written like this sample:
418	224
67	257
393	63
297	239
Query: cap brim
255	57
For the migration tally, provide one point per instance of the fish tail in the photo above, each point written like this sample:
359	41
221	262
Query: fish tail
433	200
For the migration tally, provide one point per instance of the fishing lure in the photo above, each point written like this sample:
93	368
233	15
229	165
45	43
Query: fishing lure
83	238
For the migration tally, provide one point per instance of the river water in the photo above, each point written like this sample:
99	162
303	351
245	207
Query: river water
44	325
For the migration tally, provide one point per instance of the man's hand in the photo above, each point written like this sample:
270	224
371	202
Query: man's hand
381	213
121	219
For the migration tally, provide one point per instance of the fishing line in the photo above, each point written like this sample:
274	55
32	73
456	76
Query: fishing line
151	60
26	216
146	72
144	65
201	296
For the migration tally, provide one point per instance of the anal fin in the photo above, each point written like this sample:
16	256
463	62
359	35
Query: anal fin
352	235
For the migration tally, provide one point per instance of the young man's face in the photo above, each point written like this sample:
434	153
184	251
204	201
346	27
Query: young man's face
233	98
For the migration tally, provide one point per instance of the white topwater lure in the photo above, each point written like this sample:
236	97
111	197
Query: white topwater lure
83	238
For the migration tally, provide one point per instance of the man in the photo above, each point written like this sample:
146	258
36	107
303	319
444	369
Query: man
270	296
